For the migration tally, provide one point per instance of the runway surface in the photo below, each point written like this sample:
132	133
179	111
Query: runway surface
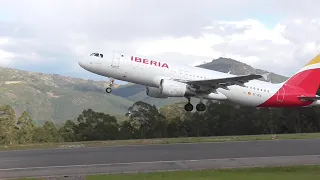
56	162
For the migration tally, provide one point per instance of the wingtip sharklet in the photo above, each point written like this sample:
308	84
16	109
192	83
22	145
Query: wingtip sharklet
265	76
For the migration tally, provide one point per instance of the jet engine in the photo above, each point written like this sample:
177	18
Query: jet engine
154	92
175	89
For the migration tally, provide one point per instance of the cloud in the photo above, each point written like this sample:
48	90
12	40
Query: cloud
283	49
5	57
51	36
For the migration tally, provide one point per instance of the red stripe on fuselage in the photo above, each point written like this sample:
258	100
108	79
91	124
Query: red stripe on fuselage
304	83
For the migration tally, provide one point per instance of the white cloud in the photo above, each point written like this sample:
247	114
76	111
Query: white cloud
263	34
275	49
4	41
5	58
199	46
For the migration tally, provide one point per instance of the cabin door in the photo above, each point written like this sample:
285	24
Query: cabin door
117	57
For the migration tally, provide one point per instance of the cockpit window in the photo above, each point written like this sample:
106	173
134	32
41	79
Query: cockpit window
94	54
97	55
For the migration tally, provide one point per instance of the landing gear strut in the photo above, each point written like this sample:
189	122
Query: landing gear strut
109	89
201	106
188	106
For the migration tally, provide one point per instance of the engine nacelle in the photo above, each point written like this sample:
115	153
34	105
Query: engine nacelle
175	89
154	92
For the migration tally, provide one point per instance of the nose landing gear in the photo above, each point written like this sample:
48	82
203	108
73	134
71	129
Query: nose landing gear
108	90
111	83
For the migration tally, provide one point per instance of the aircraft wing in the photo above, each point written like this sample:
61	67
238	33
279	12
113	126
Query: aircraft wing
224	82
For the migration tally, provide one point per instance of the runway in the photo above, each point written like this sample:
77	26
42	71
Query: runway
144	158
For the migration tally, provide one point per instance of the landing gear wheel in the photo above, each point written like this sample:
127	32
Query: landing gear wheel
108	90
201	107
188	107
111	82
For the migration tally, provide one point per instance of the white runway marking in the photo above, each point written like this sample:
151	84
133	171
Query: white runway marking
157	162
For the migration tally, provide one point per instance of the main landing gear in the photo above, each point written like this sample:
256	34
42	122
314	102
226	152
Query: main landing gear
199	107
109	89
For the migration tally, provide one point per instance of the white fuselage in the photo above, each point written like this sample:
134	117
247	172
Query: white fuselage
149	73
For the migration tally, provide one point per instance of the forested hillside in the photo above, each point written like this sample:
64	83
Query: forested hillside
146	121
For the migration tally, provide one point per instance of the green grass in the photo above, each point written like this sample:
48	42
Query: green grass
162	141
259	173
283	173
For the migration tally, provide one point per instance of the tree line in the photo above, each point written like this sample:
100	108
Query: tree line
144	120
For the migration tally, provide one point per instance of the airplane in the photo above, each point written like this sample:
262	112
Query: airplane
164	79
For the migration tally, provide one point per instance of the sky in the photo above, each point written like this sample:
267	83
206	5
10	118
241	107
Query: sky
52	36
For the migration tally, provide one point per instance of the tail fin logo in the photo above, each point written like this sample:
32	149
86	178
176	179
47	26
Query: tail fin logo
315	60
308	78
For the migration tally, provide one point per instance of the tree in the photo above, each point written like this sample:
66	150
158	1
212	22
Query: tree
47	133
96	126
174	111
67	131
27	127
147	120
126	130
8	128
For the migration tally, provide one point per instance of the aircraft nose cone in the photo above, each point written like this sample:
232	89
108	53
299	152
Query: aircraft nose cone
80	64
83	64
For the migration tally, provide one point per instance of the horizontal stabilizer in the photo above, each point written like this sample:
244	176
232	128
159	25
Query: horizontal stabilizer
309	98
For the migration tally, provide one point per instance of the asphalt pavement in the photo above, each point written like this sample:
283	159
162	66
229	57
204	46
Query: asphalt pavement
145	158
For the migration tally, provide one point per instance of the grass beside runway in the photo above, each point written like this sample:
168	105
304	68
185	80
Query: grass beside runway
161	141
283	173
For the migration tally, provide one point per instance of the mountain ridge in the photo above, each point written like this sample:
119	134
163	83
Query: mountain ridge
55	97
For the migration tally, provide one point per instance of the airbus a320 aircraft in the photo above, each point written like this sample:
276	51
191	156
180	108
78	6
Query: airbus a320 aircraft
165	79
